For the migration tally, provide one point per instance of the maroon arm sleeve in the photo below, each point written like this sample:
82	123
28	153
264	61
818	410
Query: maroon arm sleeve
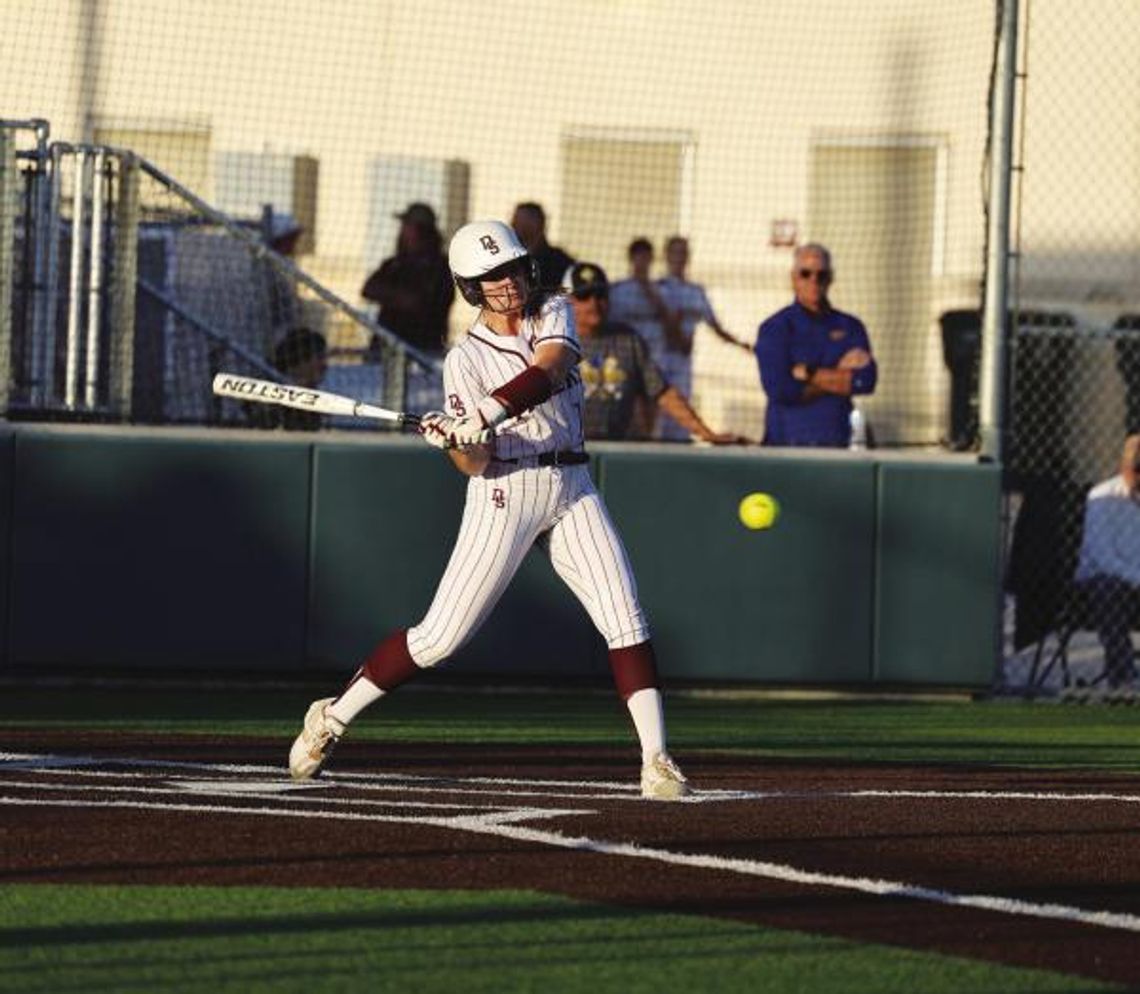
529	389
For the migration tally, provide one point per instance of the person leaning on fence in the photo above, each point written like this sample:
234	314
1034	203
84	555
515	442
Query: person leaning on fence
636	300
813	359
690	306
620	381
1108	565
301	358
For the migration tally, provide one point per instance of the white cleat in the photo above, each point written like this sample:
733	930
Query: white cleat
661	780
319	736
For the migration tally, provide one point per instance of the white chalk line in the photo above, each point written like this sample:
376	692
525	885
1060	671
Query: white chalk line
211	789
143	769
404	783
494	825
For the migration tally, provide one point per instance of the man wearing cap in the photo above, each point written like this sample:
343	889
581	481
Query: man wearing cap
622	383
414	287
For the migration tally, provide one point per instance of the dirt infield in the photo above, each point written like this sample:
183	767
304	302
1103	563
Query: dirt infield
1021	868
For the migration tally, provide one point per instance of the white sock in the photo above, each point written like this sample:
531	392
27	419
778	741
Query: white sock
649	721
356	697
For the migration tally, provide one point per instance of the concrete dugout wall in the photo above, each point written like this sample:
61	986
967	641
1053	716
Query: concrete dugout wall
235	549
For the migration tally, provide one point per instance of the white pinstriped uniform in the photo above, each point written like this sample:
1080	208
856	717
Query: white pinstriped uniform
515	504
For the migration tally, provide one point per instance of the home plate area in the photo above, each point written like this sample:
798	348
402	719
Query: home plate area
1015	866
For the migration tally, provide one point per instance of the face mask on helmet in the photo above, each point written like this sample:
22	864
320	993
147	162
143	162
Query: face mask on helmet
488	251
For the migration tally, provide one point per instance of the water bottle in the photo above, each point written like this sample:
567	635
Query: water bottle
858	430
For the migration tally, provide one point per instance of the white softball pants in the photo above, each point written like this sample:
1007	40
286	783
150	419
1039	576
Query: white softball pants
507	511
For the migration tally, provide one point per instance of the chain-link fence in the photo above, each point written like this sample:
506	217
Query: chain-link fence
1074	353
746	127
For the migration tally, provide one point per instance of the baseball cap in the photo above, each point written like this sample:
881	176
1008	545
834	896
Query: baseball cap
584	278
417	213
282	225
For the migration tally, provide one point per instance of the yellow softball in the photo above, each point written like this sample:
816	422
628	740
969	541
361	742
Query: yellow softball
759	510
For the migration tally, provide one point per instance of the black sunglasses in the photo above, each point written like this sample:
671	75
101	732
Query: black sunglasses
823	275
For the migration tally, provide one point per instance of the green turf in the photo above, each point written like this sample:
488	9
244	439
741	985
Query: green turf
245	940
999	732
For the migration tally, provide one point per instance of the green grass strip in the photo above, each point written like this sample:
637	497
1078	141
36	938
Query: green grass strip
960	732
244	940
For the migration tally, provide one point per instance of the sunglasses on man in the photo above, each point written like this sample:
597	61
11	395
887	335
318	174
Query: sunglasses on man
820	275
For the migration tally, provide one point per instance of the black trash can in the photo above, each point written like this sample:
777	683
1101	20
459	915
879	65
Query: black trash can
961	352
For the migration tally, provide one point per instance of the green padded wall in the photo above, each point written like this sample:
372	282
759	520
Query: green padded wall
791	603
385	519
938	573
7	445
123	548
151	551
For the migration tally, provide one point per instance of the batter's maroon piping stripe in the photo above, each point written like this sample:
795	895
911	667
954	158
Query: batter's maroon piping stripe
456	574
498	348
568	342
594	564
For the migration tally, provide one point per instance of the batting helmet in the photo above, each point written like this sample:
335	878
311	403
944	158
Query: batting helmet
487	250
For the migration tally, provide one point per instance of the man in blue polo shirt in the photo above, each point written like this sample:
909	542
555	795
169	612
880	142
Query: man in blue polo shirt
813	360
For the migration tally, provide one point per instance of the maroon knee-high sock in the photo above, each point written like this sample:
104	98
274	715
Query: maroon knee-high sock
634	669
390	663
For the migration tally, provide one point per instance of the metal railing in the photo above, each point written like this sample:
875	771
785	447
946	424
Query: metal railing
72	218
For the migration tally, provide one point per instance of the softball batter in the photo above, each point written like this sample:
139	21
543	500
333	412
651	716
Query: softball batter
514	426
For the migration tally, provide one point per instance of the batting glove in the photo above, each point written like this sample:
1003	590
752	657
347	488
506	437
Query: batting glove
445	432
435	427
469	431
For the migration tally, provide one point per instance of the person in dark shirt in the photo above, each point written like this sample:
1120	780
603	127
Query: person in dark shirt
529	222
813	359
622	384
414	287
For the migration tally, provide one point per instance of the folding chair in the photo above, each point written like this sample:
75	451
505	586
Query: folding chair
1076	614
1070	619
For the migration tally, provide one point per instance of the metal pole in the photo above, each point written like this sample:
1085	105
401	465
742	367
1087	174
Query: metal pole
75	279
124	271
43	385
95	286
9	206
41	232
992	382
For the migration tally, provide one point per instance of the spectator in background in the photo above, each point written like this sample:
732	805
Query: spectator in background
413	288
690	306
813	359
1108	566
529	222
637	301
622	384
301	358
